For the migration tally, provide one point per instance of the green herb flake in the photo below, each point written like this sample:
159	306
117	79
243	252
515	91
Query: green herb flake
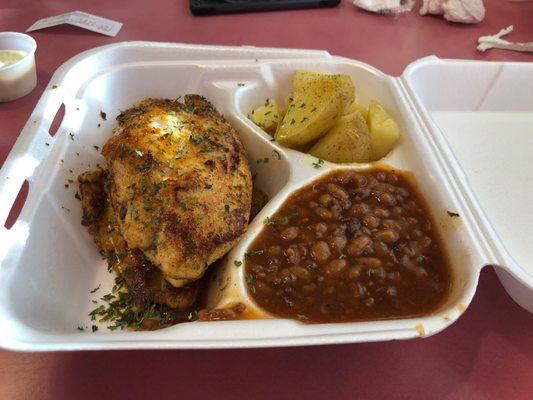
226	207
241	84
452	214
96	288
318	164
71	136
80	328
288	301
182	205
208	186
94	328
250	278
133	212
237	263
138	153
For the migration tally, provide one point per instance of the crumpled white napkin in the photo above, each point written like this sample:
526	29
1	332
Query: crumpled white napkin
465	11
495	42
385	6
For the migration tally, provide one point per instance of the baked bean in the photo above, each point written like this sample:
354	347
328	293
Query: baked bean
299	272
381	176
310	288
337	192
320	251
337	242
335	267
381	213
388	236
320	229
369	262
263	287
354	273
424	242
387	199
359	209
336	211
402	192
325	200
370	221
396	211
290	233
329	290
293	255
392	178
274	251
362	193
359	180
358	245
323	213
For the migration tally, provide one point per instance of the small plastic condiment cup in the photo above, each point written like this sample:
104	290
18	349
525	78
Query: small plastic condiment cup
20	78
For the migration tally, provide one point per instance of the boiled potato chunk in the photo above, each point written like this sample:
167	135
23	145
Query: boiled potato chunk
384	131
348	141
267	116
318	99
356	106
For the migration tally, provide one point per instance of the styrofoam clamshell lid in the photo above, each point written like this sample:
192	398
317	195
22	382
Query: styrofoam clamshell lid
481	117
48	262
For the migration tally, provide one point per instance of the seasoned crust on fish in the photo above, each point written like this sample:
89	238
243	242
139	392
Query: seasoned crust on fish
180	185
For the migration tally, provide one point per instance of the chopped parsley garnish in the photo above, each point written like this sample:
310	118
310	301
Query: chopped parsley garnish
182	205
80	328
226	207
318	164
138	153
96	288
241	84
119	311
133	212
96	148
71	136
208	186
453	214
237	263
288	301
250	278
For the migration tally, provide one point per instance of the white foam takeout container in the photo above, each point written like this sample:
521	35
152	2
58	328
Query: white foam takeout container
467	138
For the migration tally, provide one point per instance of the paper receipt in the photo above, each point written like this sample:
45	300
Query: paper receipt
83	20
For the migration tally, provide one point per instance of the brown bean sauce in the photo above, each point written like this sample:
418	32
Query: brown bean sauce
351	246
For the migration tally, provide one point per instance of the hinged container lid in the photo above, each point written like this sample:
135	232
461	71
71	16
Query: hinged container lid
481	117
